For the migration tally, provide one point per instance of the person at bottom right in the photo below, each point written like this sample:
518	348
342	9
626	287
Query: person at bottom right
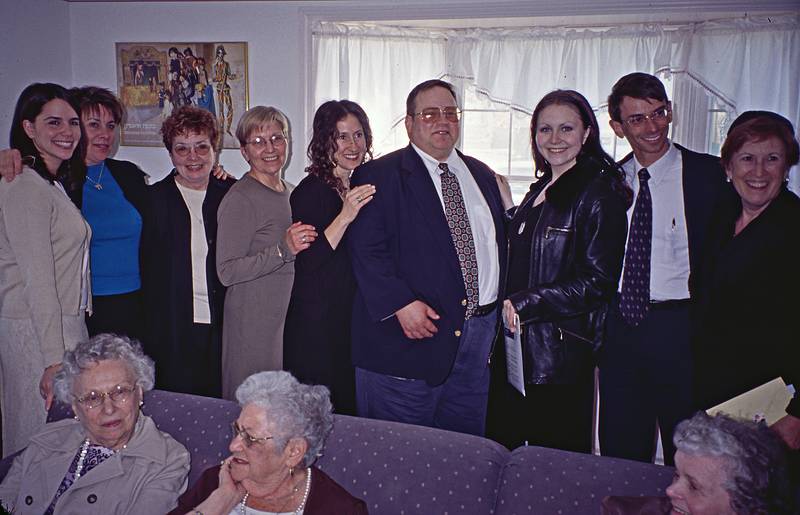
746	329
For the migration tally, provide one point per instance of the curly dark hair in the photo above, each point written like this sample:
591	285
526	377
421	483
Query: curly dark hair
323	141
592	149
29	105
189	120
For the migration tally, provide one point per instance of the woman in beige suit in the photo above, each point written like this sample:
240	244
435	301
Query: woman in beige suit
44	286
109	459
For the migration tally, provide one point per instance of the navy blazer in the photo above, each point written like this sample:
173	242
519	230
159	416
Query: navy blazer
401	251
703	182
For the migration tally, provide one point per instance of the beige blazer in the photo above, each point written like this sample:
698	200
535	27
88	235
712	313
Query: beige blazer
144	478
43	245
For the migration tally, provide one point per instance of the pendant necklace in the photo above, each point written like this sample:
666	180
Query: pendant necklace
96	183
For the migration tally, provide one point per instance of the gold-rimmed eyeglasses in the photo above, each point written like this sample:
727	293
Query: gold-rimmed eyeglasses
118	395
246	437
201	149
432	114
659	116
277	140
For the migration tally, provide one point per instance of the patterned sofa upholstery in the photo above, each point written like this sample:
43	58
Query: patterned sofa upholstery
403	469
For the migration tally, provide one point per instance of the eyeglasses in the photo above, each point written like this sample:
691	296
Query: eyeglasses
277	140
658	116
118	395
201	149
246	437
432	114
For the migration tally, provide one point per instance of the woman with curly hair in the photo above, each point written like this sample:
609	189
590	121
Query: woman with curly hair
317	331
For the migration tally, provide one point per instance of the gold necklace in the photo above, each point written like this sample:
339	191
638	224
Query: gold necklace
96	183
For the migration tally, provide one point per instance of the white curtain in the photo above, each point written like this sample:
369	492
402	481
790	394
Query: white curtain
741	64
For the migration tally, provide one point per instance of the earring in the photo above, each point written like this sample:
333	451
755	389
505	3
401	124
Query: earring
727	178
141	403
77	418
291	471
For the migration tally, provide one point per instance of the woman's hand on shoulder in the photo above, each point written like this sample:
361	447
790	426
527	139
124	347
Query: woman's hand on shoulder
299	237
10	163
355	199
219	172
46	384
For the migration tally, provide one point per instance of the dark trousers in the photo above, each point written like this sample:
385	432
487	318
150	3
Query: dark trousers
645	379
121	314
458	404
550	415
197	368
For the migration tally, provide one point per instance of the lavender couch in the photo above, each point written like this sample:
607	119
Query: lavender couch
404	469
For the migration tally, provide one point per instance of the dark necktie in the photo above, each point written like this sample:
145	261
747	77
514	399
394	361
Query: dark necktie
635	299
456	213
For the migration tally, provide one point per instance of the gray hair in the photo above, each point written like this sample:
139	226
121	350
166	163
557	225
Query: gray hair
755	460
295	410
101	348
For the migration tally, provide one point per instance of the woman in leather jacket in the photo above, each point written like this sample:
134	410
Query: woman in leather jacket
566	247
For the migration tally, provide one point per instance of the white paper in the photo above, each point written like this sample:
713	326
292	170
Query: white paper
514	367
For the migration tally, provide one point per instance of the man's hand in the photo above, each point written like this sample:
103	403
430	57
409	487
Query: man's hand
508	314
788	428
416	319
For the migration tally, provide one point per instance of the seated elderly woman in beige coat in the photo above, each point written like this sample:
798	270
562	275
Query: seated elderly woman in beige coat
109	459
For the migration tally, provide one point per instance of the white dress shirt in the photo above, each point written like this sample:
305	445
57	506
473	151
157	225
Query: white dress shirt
669	255
480	221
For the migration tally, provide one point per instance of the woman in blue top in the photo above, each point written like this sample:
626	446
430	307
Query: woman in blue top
113	199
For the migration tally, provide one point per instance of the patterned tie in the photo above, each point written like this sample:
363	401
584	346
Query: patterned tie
635	300
458	221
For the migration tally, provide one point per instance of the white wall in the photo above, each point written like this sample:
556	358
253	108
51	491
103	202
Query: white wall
73	43
273	32
35	43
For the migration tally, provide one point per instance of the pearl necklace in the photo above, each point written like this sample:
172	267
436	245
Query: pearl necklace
79	467
298	511
82	457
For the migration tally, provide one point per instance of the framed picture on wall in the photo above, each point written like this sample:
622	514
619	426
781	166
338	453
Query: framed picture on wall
153	79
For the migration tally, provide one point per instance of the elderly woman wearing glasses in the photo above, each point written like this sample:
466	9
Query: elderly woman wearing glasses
183	294
255	251
276	439
110	458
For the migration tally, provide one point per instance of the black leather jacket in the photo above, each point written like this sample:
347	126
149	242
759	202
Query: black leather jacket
577	250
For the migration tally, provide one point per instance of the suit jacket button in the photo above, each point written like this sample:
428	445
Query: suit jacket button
91	499
28	500
464	302
458	333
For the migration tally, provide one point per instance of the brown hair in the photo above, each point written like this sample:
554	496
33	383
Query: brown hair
759	127
189	120
91	98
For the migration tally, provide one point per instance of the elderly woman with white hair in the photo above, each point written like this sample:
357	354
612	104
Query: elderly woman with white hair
723	466
280	432
110	458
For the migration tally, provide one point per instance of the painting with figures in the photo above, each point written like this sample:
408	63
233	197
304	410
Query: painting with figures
155	78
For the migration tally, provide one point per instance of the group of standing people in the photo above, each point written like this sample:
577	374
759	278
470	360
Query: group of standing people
390	284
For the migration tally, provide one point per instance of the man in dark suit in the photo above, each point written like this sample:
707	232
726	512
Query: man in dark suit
428	253
646	363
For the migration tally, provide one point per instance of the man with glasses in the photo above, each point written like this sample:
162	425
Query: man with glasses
646	363
428	253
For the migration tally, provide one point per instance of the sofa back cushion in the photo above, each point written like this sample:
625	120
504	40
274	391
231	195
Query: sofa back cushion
541	480
405	469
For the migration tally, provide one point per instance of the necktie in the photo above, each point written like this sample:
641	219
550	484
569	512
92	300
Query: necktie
460	230
635	299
